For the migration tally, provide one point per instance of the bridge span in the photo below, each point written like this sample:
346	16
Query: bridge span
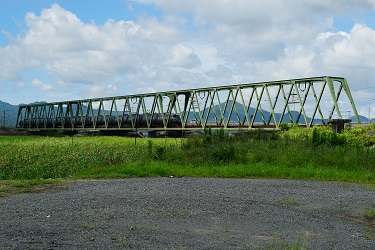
306	102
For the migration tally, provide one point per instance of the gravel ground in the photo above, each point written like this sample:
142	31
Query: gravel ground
189	213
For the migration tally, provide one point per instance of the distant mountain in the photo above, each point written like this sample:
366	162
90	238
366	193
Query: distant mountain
362	118
242	111
258	116
8	114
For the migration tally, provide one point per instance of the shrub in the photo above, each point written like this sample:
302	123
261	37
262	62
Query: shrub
284	126
159	152
223	153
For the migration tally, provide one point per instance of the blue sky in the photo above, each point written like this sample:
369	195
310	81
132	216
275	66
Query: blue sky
13	12
64	49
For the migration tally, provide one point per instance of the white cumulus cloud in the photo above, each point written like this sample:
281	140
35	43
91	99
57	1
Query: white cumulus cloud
40	85
183	56
191	44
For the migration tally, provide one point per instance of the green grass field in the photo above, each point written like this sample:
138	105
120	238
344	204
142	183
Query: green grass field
314	154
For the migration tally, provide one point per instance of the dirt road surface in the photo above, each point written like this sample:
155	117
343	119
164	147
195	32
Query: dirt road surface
190	213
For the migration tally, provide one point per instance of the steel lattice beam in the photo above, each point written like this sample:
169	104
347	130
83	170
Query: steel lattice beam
264	104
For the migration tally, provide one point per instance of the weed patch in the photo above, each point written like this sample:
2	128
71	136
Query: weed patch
298	244
297	153
369	215
368	233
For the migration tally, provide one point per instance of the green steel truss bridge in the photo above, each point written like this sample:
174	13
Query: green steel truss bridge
306	102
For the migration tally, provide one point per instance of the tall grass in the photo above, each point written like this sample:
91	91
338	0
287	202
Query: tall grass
54	157
297	153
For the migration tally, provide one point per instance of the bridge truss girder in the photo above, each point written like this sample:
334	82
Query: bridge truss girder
253	105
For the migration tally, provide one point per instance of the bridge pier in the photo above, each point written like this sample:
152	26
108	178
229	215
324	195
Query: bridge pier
338	125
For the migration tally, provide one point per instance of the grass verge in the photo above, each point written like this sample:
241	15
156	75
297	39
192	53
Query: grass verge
9	187
313	154
161	169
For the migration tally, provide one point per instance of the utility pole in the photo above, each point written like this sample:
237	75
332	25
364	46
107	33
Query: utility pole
5	110
369	111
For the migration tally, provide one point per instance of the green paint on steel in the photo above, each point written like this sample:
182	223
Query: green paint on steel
306	101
